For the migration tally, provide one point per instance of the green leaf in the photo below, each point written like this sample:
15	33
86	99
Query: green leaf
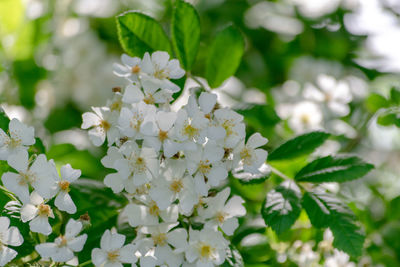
375	102
299	146
74	118
282	207
139	33
4	120
395	96
333	169
233	258
37	147
389	118
224	56
247	178
325	210
185	30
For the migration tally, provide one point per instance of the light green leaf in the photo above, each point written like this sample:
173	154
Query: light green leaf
299	146
139	33
224	56
185	30
333	169
282	207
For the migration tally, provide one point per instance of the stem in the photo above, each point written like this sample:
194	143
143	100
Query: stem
85	263
280	174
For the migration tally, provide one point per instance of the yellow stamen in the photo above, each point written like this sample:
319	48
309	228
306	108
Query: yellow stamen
162	135
64	185
113	256
204	166
159	239
44	210
176	186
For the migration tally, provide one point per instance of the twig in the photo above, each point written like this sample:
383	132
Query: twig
280	174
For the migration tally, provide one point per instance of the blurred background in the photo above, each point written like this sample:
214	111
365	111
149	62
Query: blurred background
56	61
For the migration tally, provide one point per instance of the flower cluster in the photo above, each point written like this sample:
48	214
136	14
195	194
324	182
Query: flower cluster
171	164
35	181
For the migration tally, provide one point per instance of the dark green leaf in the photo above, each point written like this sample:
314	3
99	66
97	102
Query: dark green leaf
224	56
299	146
282	207
389	118
4	120
325	210
185	31
139	33
333	169
74	118
233	258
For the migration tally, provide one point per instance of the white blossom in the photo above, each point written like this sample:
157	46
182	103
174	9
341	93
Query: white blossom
64	246
158	70
220	213
9	236
206	248
63	200
101	124
112	252
130	68
20	138
39	175
250	156
305	116
38	213
131	119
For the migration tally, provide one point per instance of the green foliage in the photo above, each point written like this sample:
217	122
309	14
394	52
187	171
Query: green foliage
139	33
324	210
301	145
333	169
375	102
4	120
233	258
38	147
389	107
282	206
73	119
95	200
224	56
185	30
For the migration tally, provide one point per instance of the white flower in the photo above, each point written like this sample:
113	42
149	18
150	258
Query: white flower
63	200
159	241
174	184
206	248
64	246
305	116
21	137
149	213
205	164
230	123
217	213
151	94
130	68
38	213
131	119
190	130
250	156
140	165
102	123
336	94
159	69
39	175
158	133
9	236
113	253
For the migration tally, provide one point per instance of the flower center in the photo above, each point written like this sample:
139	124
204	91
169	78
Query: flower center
305	119
105	125
113	255
162	135
190	131
136	121
117	105
14	142
44	210
63	241
26	178
139	165
64	185
246	156
221	216
204	166
153	209
149	99
135	69
206	250
228	125
159	239
176	186
161	74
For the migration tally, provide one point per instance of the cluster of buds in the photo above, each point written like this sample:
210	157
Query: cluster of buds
173	164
